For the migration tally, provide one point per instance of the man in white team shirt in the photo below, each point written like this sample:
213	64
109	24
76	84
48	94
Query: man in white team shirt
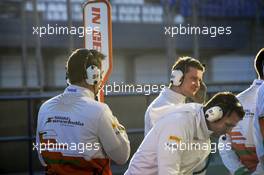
75	133
259	126
259	118
186	80
180	141
242	158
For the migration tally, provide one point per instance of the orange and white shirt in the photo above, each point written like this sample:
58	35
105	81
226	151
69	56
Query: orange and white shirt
78	135
242	156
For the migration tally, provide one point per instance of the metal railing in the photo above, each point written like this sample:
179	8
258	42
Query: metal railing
30	137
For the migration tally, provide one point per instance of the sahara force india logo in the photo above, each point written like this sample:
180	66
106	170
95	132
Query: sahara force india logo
63	120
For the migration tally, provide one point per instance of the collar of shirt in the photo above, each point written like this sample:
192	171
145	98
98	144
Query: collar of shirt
74	89
257	82
173	96
202	129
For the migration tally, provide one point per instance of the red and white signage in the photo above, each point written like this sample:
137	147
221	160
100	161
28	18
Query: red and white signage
97	15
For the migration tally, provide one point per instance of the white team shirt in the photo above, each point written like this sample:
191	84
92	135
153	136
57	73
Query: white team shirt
166	98
245	128
158	153
75	118
259	114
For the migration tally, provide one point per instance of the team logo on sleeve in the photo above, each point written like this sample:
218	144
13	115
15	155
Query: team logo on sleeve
117	128
172	144
174	138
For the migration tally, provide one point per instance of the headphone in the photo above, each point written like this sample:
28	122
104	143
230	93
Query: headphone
217	112
214	113
178	74
93	75
176	77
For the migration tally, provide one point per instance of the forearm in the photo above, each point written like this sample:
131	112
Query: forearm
120	154
229	157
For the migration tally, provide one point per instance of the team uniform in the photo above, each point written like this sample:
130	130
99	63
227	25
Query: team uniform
242	157
258	132
86	134
166	98
160	151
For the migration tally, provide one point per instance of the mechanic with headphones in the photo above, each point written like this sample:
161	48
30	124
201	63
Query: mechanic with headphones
242	158
75	133
180	141
259	129
186	81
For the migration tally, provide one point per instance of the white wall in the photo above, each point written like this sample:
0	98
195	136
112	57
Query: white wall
32	72
148	69
118	72
59	70
233	68
151	69
11	72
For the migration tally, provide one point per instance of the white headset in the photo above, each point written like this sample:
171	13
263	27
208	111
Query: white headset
93	74
176	77
214	113
177	74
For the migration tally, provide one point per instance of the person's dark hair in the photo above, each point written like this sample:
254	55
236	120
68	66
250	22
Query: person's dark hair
228	103
259	63
184	63
79	61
